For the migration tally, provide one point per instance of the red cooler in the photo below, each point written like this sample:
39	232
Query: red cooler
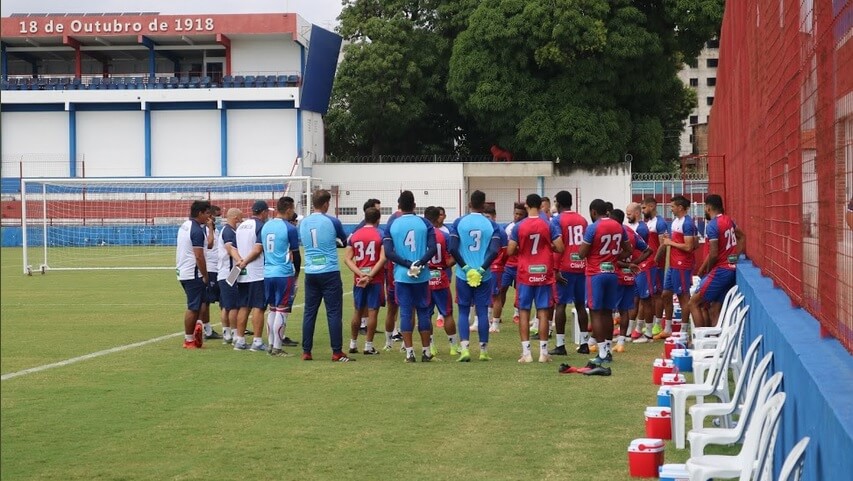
658	422
645	457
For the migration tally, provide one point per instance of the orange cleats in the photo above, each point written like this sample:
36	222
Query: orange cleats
198	334
190	345
619	348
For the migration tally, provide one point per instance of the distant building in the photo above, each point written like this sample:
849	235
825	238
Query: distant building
700	74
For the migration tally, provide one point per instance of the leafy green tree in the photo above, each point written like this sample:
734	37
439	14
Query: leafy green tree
584	80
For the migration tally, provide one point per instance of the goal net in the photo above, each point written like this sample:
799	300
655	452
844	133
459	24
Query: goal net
130	223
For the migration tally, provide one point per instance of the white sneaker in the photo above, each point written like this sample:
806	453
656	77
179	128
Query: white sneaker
643	339
472	328
544	357
525	358
494	327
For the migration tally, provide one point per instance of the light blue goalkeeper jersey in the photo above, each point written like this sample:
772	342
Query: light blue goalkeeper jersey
318	233
279	239
474	232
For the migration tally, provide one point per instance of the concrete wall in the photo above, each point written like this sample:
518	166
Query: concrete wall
185	142
35	138
111	143
261	142
260	56
448	186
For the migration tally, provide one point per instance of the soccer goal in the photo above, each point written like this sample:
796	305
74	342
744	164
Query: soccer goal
130	223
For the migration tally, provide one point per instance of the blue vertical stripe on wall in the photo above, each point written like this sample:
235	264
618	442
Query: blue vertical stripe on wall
4	62
223	140
147	114
299	110
72	142
320	65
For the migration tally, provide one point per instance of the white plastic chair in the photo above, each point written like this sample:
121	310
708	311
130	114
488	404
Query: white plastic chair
743	464
766	448
698	412
716	384
732	299
700	438
792	468
732	339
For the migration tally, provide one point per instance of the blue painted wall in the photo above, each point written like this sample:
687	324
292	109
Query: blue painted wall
818	378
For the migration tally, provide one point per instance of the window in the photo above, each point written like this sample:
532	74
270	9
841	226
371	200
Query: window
694	82
713	43
709	100
712	62
348	211
419	210
385	210
694	119
693	62
711	81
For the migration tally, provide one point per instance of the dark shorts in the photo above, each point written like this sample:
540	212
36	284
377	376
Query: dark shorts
678	281
472	296
195	291
528	296
572	291
229	298
440	299
644	284
716	284
370	296
212	288
508	277
626	297
602	291
280	291
251	294
391	291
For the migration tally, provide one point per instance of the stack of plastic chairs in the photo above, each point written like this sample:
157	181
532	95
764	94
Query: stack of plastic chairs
758	438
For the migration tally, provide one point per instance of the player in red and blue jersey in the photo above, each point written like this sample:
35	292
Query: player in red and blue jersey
679	277
367	204
535	240
366	259
439	281
409	243
604	242
474	244
725	243
627	270
508	266
656	226
570	273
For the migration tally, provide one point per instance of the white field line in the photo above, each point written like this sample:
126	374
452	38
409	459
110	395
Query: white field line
85	357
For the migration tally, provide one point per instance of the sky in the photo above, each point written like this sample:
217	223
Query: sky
320	12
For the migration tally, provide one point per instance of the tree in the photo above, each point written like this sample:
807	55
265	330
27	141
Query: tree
586	80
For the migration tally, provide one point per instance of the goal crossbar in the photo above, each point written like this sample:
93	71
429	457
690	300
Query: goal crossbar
130	222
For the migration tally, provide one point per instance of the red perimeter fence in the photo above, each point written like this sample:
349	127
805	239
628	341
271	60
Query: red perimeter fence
783	119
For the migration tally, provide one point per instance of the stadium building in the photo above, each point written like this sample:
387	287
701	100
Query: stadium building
150	95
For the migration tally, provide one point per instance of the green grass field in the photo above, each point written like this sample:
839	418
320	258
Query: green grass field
160	412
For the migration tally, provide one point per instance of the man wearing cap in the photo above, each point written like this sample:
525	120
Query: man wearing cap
250	284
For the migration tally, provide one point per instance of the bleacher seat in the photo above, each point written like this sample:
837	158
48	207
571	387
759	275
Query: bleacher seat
281	81
239	81
249	81
292	80
194	82
204	82
173	82
228	81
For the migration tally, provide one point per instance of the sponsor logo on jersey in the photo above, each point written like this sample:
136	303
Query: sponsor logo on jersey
537	278
537	269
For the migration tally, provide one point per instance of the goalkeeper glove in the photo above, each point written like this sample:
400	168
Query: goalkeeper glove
474	277
415	269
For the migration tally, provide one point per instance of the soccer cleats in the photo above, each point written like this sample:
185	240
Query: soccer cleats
464	355
559	351
198	334
484	356
525	358
341	357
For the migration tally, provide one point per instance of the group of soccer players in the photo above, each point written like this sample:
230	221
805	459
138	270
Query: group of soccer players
553	260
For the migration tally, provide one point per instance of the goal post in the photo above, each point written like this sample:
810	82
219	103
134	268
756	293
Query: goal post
131	223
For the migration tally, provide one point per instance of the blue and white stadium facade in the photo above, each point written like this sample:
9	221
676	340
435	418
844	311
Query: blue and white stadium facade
149	95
